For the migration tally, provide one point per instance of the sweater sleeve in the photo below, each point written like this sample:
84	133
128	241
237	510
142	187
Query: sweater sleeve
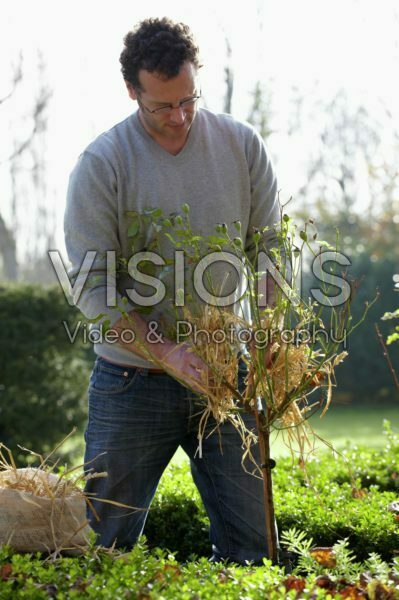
265	208
91	224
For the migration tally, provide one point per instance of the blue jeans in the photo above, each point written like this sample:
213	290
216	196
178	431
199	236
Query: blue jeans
137	420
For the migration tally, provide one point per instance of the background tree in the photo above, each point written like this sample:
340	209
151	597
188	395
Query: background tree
352	187
25	217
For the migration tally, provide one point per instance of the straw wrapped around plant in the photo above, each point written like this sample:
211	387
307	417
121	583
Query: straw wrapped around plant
218	354
212	339
293	373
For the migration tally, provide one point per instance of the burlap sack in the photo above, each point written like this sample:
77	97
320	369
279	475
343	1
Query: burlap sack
32	523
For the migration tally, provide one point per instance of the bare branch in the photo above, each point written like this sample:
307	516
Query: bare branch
17	78
229	78
388	358
40	106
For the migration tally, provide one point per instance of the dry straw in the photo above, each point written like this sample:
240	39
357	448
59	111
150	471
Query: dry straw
293	373
45	511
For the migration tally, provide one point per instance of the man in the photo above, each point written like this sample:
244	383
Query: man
167	153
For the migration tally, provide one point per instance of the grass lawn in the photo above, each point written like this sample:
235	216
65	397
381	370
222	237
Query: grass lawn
341	425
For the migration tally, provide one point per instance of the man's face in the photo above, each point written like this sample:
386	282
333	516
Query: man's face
157	92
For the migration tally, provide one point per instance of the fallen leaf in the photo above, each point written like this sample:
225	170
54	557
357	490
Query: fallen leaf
324	556
358	492
173	570
5	571
378	591
353	593
294	583
324	581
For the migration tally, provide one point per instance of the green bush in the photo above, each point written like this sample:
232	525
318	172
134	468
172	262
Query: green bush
43	377
156	575
139	574
341	497
177	519
333	509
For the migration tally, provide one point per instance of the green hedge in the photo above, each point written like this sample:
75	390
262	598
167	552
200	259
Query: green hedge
43	377
347	497
333	504
140	575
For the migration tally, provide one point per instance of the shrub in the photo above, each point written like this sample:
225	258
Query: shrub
154	575
177	519
138	574
347	497
43	377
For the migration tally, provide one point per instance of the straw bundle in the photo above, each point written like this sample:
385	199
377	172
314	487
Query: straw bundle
211	339
42	512
38	482
284	382
219	356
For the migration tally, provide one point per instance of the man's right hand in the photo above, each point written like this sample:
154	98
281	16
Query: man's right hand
181	361
178	360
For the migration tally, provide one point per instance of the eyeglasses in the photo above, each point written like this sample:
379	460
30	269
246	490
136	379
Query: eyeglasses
163	110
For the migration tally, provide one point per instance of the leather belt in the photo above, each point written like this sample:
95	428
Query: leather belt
151	371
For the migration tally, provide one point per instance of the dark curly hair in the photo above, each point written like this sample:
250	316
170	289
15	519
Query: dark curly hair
158	46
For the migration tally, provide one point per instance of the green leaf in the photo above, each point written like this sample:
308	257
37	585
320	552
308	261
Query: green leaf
134	227
170	238
97	318
153	212
325	244
106	325
390	315
394	337
215	239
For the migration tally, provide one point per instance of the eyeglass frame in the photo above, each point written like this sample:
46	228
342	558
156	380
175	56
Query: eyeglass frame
170	107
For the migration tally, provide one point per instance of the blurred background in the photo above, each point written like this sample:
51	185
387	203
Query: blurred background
317	79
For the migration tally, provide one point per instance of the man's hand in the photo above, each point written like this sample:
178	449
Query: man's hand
180	361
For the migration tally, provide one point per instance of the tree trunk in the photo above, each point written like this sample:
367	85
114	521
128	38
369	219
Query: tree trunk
8	252
266	466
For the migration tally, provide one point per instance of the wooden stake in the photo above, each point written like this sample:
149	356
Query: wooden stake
264	447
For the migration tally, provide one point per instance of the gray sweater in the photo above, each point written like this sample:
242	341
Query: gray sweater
223	173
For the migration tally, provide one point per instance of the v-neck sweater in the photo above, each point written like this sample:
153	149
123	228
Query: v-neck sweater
223	172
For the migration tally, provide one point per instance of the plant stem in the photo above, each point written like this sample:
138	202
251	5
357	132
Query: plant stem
264	448
387	357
